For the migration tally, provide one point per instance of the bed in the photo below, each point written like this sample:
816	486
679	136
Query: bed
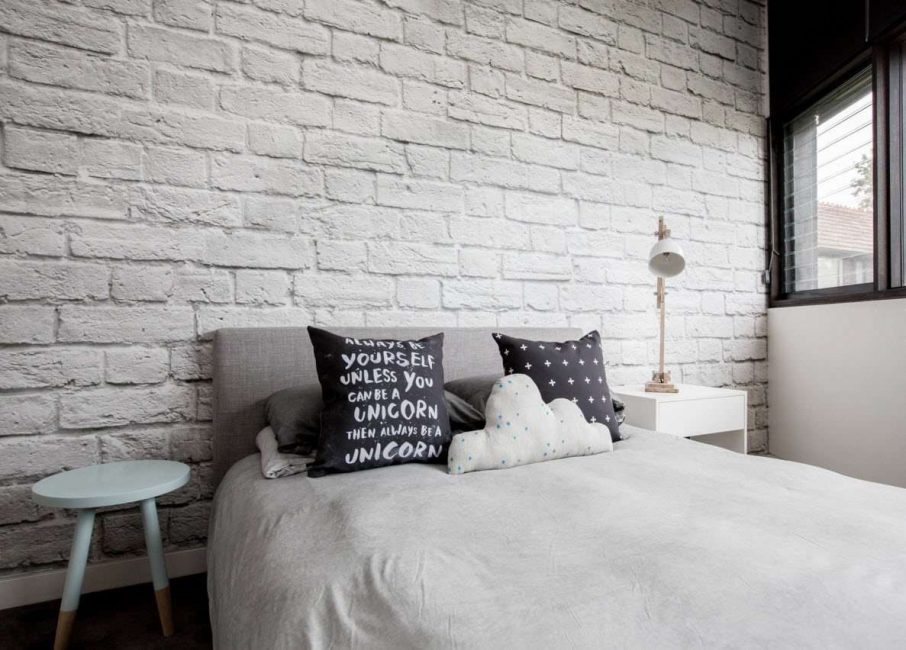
664	543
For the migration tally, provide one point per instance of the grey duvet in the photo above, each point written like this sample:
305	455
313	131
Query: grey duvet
664	543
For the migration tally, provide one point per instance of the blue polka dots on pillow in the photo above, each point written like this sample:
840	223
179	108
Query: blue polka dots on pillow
522	429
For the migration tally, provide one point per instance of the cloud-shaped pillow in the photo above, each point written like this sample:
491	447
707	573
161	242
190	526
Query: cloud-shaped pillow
522	429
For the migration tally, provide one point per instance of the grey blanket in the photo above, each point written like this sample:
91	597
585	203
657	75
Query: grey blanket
665	543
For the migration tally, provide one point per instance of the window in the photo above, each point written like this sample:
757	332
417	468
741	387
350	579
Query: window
828	194
838	185
897	129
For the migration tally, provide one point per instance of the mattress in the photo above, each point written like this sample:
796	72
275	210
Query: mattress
664	543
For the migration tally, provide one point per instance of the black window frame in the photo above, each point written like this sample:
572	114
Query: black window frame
889	201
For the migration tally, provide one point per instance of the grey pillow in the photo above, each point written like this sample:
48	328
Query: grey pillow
475	390
294	414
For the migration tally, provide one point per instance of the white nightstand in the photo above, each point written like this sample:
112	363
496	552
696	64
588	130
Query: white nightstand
713	415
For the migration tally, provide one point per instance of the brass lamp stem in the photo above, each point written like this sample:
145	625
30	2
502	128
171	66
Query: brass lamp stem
660	381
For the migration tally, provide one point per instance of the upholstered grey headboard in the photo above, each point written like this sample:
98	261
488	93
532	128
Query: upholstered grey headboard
252	363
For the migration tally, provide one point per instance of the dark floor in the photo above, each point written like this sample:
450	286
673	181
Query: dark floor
120	618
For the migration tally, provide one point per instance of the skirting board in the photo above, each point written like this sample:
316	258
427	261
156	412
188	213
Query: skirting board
41	586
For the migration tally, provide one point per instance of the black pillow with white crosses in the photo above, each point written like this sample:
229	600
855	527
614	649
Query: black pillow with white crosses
570	369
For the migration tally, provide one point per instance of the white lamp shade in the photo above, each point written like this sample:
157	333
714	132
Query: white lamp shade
666	259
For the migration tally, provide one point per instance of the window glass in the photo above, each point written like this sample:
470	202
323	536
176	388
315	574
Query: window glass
828	211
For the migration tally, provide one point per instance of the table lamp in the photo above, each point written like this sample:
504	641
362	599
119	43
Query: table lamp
665	260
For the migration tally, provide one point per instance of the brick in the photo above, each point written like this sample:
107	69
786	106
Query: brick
112	159
171	205
491	142
36	457
260	174
588	132
261	287
31	236
541	208
57	66
540	93
490	295
409	127
141	283
354	82
17	506
263	103
418	293
203	131
279	214
539	37
543	151
172	166
585	23
418	194
356	117
487	81
168	46
484	50
432	162
190	14
536	266
585	77
494	233
46	21
445	11
593	53
43	151
185	89
542	66
137	365
544	123
356	17
484	22
21	280
125	324
484	201
275	140
677	151
478	263
26	324
202	285
42	368
469	107
341	255
416	259
124	7
54	196
356	48
270	66
283	32
254	250
350	151
336	290
107	407
27	414
423	34
505	173
349	185
408	62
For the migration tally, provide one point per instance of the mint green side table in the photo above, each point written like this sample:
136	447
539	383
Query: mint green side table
111	484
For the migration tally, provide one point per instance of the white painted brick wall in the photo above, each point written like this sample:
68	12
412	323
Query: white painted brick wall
174	166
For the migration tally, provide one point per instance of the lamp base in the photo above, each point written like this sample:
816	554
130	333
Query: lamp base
660	383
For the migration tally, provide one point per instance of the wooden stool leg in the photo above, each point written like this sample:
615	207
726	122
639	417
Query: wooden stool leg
75	573
158	567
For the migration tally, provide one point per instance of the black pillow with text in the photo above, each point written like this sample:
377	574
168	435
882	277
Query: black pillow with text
567	369
383	402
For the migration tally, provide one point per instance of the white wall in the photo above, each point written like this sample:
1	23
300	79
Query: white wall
837	384
169	168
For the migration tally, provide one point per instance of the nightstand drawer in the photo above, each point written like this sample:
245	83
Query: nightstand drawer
696	417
